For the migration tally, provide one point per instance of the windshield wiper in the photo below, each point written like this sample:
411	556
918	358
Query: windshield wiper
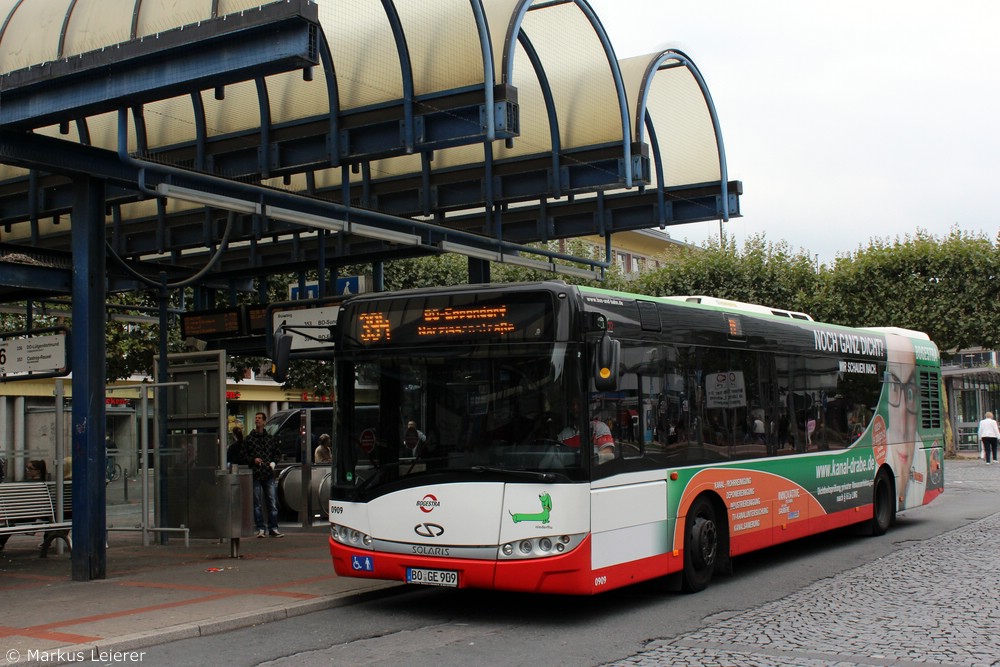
547	477
377	475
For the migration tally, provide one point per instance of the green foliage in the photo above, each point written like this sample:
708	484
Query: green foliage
762	272
442	270
943	287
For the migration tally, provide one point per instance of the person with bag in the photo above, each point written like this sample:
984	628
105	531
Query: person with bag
236	453
989	433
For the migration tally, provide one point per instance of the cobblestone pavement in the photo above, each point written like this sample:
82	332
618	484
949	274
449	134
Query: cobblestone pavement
933	603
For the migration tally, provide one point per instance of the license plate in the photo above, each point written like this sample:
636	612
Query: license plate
417	575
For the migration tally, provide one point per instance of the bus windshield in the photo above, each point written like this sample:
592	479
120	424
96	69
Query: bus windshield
482	410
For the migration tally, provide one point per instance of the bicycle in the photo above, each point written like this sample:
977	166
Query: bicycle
113	471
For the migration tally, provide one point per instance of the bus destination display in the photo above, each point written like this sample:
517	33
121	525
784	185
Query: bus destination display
511	321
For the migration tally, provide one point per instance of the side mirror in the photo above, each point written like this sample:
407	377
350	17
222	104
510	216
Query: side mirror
607	356
282	351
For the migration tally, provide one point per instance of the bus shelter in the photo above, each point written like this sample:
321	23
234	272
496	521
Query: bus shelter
210	144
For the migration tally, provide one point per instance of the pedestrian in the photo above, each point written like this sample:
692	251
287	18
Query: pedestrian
236	453
323	453
35	470
989	433
262	454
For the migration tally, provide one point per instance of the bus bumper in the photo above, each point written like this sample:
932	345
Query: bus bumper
568	573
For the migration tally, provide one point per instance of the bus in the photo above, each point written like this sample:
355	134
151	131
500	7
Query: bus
550	438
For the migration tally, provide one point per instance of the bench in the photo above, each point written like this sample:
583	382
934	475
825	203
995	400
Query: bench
27	508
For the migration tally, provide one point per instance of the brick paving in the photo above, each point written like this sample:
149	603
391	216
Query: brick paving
931	603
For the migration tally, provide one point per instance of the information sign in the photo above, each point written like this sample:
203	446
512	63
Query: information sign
34	354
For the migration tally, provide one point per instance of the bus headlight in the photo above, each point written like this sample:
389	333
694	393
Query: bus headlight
351	537
539	547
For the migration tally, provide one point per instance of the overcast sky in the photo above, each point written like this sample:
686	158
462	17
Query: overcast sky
845	121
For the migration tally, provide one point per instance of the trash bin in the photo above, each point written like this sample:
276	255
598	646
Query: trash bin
233	506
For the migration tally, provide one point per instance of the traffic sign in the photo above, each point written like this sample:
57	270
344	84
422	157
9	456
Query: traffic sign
368	440
344	286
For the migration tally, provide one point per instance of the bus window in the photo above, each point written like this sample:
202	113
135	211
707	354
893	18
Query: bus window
829	402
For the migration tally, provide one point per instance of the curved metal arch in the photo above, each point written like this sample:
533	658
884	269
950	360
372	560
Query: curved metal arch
200	130
141	135
657	64
654	147
514	27
489	70
409	97
489	74
10	15
550	109
65	26
264	109
405	71
333	100
83	131
134	29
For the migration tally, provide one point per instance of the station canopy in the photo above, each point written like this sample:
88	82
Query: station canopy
235	139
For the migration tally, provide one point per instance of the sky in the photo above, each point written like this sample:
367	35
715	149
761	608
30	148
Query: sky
847	121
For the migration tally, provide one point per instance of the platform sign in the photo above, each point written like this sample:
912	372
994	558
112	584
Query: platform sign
26	355
344	286
308	322
348	285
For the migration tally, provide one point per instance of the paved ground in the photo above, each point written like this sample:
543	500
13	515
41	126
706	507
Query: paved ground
932	603
161	593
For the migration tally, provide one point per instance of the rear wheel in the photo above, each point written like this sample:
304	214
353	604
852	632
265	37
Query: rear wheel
701	545
884	505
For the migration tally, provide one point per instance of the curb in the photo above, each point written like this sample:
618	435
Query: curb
142	640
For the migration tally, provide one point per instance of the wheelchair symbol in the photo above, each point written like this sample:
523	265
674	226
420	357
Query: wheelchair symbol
362	564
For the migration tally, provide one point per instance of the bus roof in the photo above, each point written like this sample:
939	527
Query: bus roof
739	305
899	331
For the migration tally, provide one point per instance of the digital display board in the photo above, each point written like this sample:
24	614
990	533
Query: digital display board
452	318
209	324
256	319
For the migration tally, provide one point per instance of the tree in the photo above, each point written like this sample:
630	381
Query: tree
943	287
762	272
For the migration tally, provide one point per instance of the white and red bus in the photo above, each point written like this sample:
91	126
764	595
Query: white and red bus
559	439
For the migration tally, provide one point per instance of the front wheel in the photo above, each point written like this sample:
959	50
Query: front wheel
701	545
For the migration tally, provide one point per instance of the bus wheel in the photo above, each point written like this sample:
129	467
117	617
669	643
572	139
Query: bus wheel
701	545
884	510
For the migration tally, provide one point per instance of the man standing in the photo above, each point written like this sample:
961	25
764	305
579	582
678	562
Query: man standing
262	454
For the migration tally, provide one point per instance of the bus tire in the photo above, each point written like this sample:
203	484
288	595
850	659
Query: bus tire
701	545
883	504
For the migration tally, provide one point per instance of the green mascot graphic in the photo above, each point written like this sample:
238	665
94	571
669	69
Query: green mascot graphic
542	516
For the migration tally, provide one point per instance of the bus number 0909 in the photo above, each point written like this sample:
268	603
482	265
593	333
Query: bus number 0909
600	581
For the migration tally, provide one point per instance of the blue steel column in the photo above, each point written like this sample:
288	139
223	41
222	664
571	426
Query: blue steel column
89	560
